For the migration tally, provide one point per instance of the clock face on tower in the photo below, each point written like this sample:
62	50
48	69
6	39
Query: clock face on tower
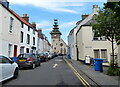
55	35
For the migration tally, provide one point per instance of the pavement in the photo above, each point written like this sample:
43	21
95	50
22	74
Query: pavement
99	78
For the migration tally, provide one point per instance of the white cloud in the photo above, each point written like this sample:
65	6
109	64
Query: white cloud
52	5
68	24
48	29
43	24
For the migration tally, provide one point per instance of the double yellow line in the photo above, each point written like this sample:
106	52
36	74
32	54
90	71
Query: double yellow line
84	82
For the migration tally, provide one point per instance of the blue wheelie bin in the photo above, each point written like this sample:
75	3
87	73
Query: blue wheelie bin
98	64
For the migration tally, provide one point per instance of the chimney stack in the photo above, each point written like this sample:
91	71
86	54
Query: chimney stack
40	30
84	16
34	25
25	17
95	8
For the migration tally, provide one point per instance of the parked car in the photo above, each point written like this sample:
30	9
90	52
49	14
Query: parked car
46	54
42	56
50	56
28	60
8	68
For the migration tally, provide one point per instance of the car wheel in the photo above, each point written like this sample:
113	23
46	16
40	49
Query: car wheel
33	66
16	73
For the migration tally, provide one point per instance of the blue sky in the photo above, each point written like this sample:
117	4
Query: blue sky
43	12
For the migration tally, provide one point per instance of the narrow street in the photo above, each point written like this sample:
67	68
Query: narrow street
53	72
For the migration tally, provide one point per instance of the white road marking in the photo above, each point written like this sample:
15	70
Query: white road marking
55	65
58	60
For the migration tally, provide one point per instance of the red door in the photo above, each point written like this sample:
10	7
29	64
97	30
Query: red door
15	50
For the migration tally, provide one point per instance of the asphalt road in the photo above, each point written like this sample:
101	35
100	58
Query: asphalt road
53	72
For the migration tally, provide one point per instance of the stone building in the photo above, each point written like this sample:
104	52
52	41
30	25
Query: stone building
58	45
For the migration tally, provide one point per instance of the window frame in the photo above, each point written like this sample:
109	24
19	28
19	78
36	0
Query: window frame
11	24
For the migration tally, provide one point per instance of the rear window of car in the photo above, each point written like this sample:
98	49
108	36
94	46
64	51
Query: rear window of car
41	54
23	56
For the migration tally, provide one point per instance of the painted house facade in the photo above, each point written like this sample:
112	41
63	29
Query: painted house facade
71	45
29	36
90	45
43	43
40	41
78	24
9	31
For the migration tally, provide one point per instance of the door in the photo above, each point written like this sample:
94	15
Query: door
15	50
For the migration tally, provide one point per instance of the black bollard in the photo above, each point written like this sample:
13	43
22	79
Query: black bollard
101	68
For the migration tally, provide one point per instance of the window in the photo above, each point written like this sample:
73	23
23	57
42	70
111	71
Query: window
96	54
28	39
33	40
11	24
21	36
4	60
61	44
56	43
27	50
22	25
104	53
95	38
28	28
9	50
55	48
33	31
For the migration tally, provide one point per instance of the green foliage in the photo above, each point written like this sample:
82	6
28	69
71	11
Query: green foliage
114	6
108	21
113	71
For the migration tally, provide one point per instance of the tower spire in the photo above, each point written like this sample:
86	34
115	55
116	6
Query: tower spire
55	28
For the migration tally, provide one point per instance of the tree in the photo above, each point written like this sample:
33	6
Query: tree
115	7
107	25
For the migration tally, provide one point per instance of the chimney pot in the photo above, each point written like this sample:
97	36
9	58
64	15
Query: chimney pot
95	6
26	17
84	16
34	24
40	30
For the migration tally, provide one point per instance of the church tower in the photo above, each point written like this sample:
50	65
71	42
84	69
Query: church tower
55	36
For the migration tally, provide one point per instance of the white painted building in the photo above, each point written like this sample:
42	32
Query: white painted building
89	44
9	31
71	45
29	36
43	43
78	24
40	43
